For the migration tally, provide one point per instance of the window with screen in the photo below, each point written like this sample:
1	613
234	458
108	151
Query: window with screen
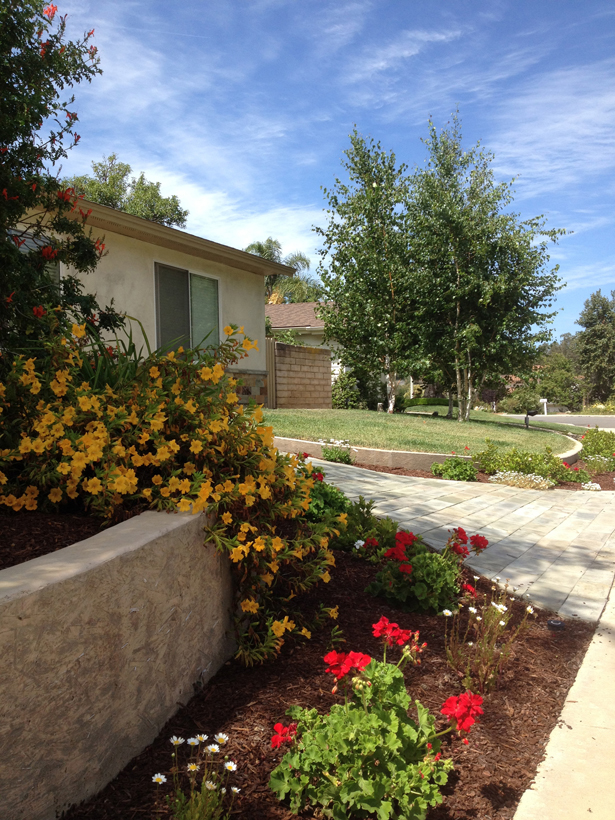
186	308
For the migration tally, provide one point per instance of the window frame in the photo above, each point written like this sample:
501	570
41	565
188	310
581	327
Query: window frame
190	273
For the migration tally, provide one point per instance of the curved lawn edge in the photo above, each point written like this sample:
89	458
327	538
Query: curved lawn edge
408	459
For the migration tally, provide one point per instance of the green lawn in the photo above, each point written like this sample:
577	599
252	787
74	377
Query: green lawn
539	422
402	432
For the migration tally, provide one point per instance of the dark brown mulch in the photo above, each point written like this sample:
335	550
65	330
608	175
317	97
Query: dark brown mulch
27	535
490	774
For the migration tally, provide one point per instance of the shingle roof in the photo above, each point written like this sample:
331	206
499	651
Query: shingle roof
301	314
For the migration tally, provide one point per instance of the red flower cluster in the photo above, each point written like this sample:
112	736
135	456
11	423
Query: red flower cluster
66	195
318	477
48	252
39	311
463	710
305	455
398	552
50	10
370	542
341	663
460	549
469	589
479	542
391	632
283	734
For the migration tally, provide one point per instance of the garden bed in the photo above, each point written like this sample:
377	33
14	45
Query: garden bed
490	774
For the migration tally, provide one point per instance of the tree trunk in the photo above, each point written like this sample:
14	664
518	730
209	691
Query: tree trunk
449	415
391	381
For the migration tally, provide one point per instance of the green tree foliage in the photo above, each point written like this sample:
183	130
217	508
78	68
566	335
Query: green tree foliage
41	223
480	283
365	263
112	185
280	289
560	382
596	345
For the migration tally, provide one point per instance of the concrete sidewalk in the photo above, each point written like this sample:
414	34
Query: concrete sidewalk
559	547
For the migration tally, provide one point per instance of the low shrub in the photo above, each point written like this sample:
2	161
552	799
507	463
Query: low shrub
599	464
367	757
366	536
345	393
598	443
455	469
336	451
174	437
492	460
521	400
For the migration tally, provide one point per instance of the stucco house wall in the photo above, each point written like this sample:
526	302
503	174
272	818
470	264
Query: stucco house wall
126	274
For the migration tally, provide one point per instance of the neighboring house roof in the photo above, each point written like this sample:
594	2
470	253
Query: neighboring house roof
295	316
110	219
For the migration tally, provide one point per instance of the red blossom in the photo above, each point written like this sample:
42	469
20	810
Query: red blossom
341	663
50	11
9	299
405	538
370	542
318	477
19	242
461	535
398	552
407	568
462	710
91	33
469	589
566	465
479	542
460	549
391	632
305	455
39	311
283	734
66	195
48	252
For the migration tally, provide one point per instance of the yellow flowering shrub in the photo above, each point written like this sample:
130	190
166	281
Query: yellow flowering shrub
174	437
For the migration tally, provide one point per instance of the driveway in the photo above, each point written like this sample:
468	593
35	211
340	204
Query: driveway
604	422
556	546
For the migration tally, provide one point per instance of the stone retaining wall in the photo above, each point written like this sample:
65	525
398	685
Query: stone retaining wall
99	642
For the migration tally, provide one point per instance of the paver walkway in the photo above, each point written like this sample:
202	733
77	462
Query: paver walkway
557	546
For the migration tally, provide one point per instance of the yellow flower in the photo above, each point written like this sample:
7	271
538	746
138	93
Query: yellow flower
147	492
55	495
249	605
228	330
277	628
237	554
267	578
79	331
334	612
277	544
246	344
343	518
157	479
205	373
184	505
326	577
3	478
154	372
196	447
165	492
306	632
274	566
227	517
64	468
324	542
84	403
93	486
189	468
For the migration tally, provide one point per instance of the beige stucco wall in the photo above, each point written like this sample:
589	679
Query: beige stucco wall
99	642
126	274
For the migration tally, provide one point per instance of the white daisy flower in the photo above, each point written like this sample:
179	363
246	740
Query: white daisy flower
212	748
221	738
470	643
201	738
478	618
235	790
223	790
530	609
502	623
477	577
192	767
473	610
193	741
209	785
230	766
159	778
447	613
177	741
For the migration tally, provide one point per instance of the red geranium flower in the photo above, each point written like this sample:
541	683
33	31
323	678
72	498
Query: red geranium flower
461	535
370	542
318	477
462	710
460	549
341	664
391	632
479	542
398	552
469	589
283	734
407	568
405	538
305	455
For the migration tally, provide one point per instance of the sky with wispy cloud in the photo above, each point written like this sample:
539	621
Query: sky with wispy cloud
243	107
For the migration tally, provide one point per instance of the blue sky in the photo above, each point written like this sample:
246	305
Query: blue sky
243	107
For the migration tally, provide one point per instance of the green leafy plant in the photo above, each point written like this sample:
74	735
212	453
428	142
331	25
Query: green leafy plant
325	499
336	450
455	469
365	535
598	443
432	581
344	392
368	757
480	640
